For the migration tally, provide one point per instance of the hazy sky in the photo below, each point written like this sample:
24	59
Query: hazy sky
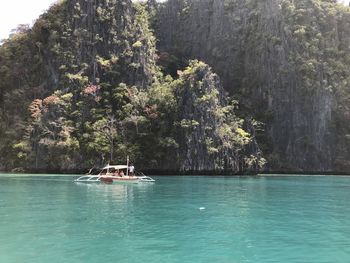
345	2
15	12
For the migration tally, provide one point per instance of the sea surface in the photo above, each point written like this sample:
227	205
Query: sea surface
49	219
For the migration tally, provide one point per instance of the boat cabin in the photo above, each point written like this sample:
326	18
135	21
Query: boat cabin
115	170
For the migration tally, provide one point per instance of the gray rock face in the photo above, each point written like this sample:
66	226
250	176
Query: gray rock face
117	32
99	36
92	42
210	136
262	51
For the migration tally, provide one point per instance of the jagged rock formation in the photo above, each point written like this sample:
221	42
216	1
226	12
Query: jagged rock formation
288	61
210	136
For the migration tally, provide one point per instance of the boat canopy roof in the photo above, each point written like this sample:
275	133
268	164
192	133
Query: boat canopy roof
117	167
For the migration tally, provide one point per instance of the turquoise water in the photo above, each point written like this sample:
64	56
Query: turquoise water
177	219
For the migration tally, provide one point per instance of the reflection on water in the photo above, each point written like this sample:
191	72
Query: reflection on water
120	192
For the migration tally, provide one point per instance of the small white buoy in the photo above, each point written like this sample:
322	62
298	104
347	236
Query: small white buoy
202	208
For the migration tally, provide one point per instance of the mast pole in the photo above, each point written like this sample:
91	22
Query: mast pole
127	165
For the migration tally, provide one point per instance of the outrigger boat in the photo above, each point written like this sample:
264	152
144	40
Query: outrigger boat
115	173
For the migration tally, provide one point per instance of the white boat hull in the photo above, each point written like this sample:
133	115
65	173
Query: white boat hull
114	179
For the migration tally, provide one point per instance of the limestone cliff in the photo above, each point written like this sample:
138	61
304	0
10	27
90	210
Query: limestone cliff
85	85
209	134
88	38
91	93
281	57
73	46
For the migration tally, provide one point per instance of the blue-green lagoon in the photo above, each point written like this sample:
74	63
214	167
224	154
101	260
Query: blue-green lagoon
178	219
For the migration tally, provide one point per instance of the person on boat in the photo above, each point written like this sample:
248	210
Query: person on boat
131	169
121	173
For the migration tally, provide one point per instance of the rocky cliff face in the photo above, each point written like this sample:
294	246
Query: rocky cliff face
89	38
277	55
75	45
96	95
88	73
209	134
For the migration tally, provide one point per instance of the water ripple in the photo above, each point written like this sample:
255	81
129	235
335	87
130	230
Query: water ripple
261	219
